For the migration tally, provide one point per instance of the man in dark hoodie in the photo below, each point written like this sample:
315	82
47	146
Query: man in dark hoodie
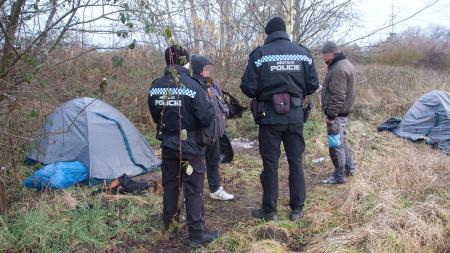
202	69
278	77
180	108
338	100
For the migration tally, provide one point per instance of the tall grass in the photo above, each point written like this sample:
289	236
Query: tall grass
71	221
398	202
393	205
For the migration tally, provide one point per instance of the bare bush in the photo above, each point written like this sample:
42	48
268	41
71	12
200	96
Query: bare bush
415	47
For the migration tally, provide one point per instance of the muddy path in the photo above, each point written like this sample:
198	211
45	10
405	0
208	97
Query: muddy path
241	178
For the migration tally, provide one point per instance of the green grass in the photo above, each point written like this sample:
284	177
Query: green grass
150	136
243	127
72	220
64	222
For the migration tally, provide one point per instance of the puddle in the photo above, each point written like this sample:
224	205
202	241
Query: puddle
243	144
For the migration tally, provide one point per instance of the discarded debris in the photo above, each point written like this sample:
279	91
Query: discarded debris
318	160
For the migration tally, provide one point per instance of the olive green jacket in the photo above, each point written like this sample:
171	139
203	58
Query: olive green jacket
339	91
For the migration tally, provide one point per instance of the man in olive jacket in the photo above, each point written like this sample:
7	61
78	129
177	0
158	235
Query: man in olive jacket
338	100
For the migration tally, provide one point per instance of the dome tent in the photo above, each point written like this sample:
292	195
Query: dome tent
95	133
428	119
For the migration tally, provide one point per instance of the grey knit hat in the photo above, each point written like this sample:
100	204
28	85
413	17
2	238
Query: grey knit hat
330	47
198	62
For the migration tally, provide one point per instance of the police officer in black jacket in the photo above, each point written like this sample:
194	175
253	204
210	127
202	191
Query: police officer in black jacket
279	75
168	99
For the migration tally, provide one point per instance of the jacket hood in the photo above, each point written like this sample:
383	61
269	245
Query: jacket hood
338	57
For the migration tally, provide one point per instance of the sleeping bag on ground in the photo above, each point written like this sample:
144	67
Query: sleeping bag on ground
59	175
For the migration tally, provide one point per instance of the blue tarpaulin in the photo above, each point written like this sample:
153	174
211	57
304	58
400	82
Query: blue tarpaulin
59	175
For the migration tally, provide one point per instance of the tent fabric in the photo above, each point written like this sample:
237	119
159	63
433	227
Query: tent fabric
95	133
390	124
428	119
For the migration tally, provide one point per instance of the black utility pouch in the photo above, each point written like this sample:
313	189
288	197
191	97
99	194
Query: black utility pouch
282	102
257	109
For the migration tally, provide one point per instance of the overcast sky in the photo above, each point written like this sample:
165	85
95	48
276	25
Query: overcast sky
372	15
375	14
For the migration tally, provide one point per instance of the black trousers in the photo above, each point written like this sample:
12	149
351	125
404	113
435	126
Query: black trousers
212	157
270	138
192	188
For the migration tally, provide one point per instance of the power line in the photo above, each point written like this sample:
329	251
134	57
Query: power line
428	5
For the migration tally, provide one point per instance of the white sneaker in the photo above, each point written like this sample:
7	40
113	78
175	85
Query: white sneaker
221	194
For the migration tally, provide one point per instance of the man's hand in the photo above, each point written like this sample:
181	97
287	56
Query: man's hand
319	94
319	90
329	121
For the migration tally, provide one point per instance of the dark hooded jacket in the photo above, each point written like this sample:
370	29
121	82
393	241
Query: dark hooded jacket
217	100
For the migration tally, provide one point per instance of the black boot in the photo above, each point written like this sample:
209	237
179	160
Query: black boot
296	215
207	237
350	172
263	215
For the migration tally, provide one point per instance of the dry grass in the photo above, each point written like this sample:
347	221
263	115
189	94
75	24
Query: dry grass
394	204
267	246
399	201
389	90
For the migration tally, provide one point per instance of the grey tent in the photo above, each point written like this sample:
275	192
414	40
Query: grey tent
428	119
95	133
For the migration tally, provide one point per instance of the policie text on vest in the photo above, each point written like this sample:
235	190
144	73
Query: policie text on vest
285	66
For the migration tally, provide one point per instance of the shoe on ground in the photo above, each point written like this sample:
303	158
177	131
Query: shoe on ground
263	215
166	226
350	172
221	194
207	237
332	180
296	215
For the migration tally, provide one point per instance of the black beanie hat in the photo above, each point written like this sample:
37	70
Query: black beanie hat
198	62
274	25
179	55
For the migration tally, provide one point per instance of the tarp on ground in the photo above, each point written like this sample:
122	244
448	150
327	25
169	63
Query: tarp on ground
428	119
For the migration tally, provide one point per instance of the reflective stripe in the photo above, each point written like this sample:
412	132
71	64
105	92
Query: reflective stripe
172	92
286	57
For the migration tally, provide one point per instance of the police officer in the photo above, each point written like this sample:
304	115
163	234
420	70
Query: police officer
173	94
202	72
278	77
